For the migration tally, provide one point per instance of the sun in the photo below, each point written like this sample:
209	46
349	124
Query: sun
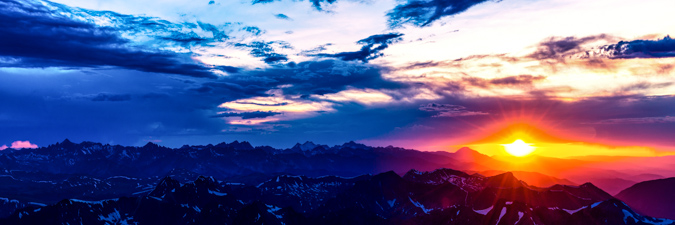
519	148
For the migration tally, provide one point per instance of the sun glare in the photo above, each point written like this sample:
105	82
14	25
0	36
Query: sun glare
519	148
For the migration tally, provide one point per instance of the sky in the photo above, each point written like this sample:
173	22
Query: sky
572	77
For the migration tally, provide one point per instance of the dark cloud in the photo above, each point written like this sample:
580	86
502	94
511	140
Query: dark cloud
565	47
266	50
520	80
641	120
372	47
282	17
424	12
313	77
111	97
560	48
449	110
641	48
36	36
247	115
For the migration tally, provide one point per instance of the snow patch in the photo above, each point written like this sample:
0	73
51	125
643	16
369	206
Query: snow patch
595	204
520	216
501	214
483	211
419	205
391	202
111	218
572	211
217	193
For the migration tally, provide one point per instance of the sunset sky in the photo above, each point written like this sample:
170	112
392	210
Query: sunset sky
571	77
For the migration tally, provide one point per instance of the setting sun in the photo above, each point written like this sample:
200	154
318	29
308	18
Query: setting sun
519	148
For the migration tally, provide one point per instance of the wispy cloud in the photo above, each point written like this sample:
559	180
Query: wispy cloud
448	110
371	48
424	12
641	120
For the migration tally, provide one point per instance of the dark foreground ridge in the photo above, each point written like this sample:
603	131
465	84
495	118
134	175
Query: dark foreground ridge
443	196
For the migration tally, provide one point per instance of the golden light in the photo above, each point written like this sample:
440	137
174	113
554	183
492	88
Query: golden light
519	148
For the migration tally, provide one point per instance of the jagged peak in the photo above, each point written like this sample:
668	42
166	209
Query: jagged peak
150	145
352	144
66	143
307	146
414	172
203	180
244	145
167	180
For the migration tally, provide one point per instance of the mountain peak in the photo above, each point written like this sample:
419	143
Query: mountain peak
66	143
504	180
150	145
354	145
205	181
467	151
307	146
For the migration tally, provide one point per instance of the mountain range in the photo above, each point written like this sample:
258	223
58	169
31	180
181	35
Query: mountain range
236	183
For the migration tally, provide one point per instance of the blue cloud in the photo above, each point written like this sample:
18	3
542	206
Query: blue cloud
371	49
306	78
111	97
424	12
317	4
266	50
247	115
34	35
642	48
282	17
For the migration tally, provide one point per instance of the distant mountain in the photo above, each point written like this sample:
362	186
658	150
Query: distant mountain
532	178
221	161
653	198
386	198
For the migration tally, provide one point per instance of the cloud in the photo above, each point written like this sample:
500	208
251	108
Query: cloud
282	17
641	49
49	38
449	110
247	115
266	50
366	97
317	4
371	48
111	97
306	78
275	107
560	48
19	145
641	120
520	80
424	12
